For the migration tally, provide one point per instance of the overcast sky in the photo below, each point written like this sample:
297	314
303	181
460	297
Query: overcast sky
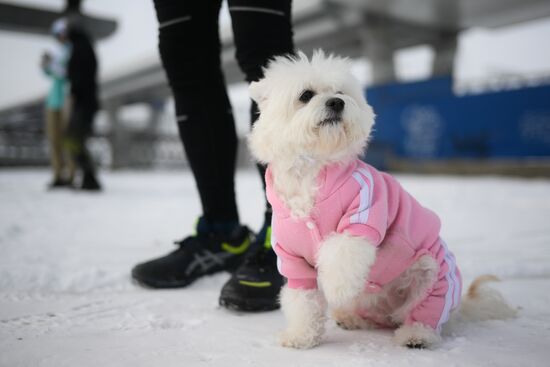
520	49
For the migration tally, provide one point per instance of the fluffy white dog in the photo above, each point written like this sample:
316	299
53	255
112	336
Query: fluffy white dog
346	235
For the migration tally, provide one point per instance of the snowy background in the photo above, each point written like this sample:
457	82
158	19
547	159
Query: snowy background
66	298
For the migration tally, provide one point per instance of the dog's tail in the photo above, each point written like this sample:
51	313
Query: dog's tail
482	302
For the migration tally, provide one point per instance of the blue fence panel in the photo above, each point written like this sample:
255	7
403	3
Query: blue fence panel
426	121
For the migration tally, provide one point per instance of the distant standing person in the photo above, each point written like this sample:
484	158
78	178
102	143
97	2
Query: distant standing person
82	74
54	65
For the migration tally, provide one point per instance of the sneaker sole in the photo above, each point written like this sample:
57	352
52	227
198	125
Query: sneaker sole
248	305
161	284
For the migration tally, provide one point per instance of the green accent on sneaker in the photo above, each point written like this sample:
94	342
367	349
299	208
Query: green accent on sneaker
195	231
255	284
267	241
236	250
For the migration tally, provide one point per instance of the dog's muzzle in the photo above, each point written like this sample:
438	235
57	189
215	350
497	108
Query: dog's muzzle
335	106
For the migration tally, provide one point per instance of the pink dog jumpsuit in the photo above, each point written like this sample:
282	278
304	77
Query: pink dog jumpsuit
361	201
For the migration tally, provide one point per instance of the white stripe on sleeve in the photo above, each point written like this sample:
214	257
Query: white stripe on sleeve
453	287
274	245
365	196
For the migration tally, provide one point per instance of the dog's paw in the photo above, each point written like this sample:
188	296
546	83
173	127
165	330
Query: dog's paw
343	264
416	344
340	295
349	320
293	339
416	336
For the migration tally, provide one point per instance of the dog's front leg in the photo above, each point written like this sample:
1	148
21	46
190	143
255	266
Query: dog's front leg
304	310
343	264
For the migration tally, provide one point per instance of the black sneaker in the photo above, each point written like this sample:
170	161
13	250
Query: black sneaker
197	256
90	183
256	284
59	183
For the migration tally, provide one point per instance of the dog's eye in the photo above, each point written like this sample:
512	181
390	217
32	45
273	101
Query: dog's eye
306	96
339	92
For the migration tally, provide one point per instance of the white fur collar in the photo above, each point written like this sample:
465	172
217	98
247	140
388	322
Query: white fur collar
296	184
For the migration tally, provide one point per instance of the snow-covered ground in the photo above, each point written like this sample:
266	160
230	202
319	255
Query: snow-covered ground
66	298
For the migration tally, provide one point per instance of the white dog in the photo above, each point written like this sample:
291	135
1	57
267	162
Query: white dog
347	235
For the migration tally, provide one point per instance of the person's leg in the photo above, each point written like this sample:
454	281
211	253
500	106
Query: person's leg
59	151
262	29
86	162
54	139
190	51
78	133
189	47
70	165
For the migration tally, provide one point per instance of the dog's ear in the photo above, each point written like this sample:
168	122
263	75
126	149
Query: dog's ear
258	91
261	142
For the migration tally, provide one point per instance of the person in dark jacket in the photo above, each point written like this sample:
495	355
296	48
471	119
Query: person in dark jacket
82	75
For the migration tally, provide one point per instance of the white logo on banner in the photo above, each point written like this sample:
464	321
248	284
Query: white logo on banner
423	127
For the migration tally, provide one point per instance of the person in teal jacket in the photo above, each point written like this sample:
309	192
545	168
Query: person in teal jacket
54	65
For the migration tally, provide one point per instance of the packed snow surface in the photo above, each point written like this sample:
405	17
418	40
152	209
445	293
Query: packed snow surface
66	298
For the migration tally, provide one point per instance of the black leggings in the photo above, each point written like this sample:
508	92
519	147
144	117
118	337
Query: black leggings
190	47
78	131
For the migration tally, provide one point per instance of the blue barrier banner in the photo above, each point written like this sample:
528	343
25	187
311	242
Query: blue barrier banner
426	121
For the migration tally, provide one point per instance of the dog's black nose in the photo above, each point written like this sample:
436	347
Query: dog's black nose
335	104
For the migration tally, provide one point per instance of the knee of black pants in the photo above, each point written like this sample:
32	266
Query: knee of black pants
262	30
190	67
189	43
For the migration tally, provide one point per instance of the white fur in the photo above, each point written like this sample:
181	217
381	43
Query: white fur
481	303
296	185
305	314
414	284
289	135
343	264
401	295
347	318
416	334
486	304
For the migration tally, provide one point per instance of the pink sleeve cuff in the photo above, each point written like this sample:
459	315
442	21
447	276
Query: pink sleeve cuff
302	283
363	230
